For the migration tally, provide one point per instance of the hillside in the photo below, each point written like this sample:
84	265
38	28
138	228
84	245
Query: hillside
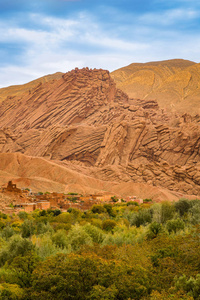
83	125
174	84
18	90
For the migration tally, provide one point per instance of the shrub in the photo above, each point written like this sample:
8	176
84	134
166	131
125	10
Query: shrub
57	212
28	228
154	229
191	286
182	206
7	232
95	233
108	225
175	225
23	215
78	237
60	238
98	209
132	203
114	199
11	292
16	246
109	209
141	218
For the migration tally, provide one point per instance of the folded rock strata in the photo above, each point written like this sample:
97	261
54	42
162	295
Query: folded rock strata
82	121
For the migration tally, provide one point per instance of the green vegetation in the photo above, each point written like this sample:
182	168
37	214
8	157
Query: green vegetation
111	252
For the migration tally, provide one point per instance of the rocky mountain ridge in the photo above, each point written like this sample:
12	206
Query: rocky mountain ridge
174	84
82	122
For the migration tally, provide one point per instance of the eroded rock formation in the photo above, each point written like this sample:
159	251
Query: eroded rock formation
82	122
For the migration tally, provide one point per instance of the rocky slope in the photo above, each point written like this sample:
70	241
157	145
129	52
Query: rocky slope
173	83
42	175
18	90
83	125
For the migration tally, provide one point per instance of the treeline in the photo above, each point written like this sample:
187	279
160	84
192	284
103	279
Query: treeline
121	251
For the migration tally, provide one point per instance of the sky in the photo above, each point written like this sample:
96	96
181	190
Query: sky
40	37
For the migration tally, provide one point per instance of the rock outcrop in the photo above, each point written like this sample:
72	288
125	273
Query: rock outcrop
82	122
173	83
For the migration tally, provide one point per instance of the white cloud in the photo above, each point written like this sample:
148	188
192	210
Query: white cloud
62	44
169	17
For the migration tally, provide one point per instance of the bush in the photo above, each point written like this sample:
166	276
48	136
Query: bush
154	229
60	238
132	203
182	206
109	209
147	200
194	211
28	228
175	225
95	233
98	209
191	286
11	292
78	237
23	215
7	232
141	218
57	212
108	225
16	246
114	199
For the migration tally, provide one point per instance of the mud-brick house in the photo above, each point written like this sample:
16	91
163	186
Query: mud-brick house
43	205
134	199
102	197
29	207
86	198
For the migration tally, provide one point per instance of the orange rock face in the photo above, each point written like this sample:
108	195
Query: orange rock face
173	83
83	123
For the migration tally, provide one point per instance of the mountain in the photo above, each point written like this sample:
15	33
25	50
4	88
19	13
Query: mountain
18	90
174	84
81	133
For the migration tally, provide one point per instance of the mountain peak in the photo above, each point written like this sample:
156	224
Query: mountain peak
173	83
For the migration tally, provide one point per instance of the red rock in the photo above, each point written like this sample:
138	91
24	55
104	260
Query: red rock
82	122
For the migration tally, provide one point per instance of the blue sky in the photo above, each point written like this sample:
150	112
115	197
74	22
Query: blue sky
40	37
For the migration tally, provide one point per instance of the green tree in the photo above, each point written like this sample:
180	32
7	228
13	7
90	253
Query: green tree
182	206
15	247
98	209
109	209
28	228
78	237
95	233
108	225
175	225
7	232
21	269
88	276
60	238
191	286
11	292
154	229
101	292
142	217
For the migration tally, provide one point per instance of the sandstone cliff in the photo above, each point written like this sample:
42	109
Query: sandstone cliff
83	124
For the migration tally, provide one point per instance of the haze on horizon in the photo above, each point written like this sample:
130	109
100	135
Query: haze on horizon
43	37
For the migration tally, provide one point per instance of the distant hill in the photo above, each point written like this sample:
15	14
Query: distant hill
174	84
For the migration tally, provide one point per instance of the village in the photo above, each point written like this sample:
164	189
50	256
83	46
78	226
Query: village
25	200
